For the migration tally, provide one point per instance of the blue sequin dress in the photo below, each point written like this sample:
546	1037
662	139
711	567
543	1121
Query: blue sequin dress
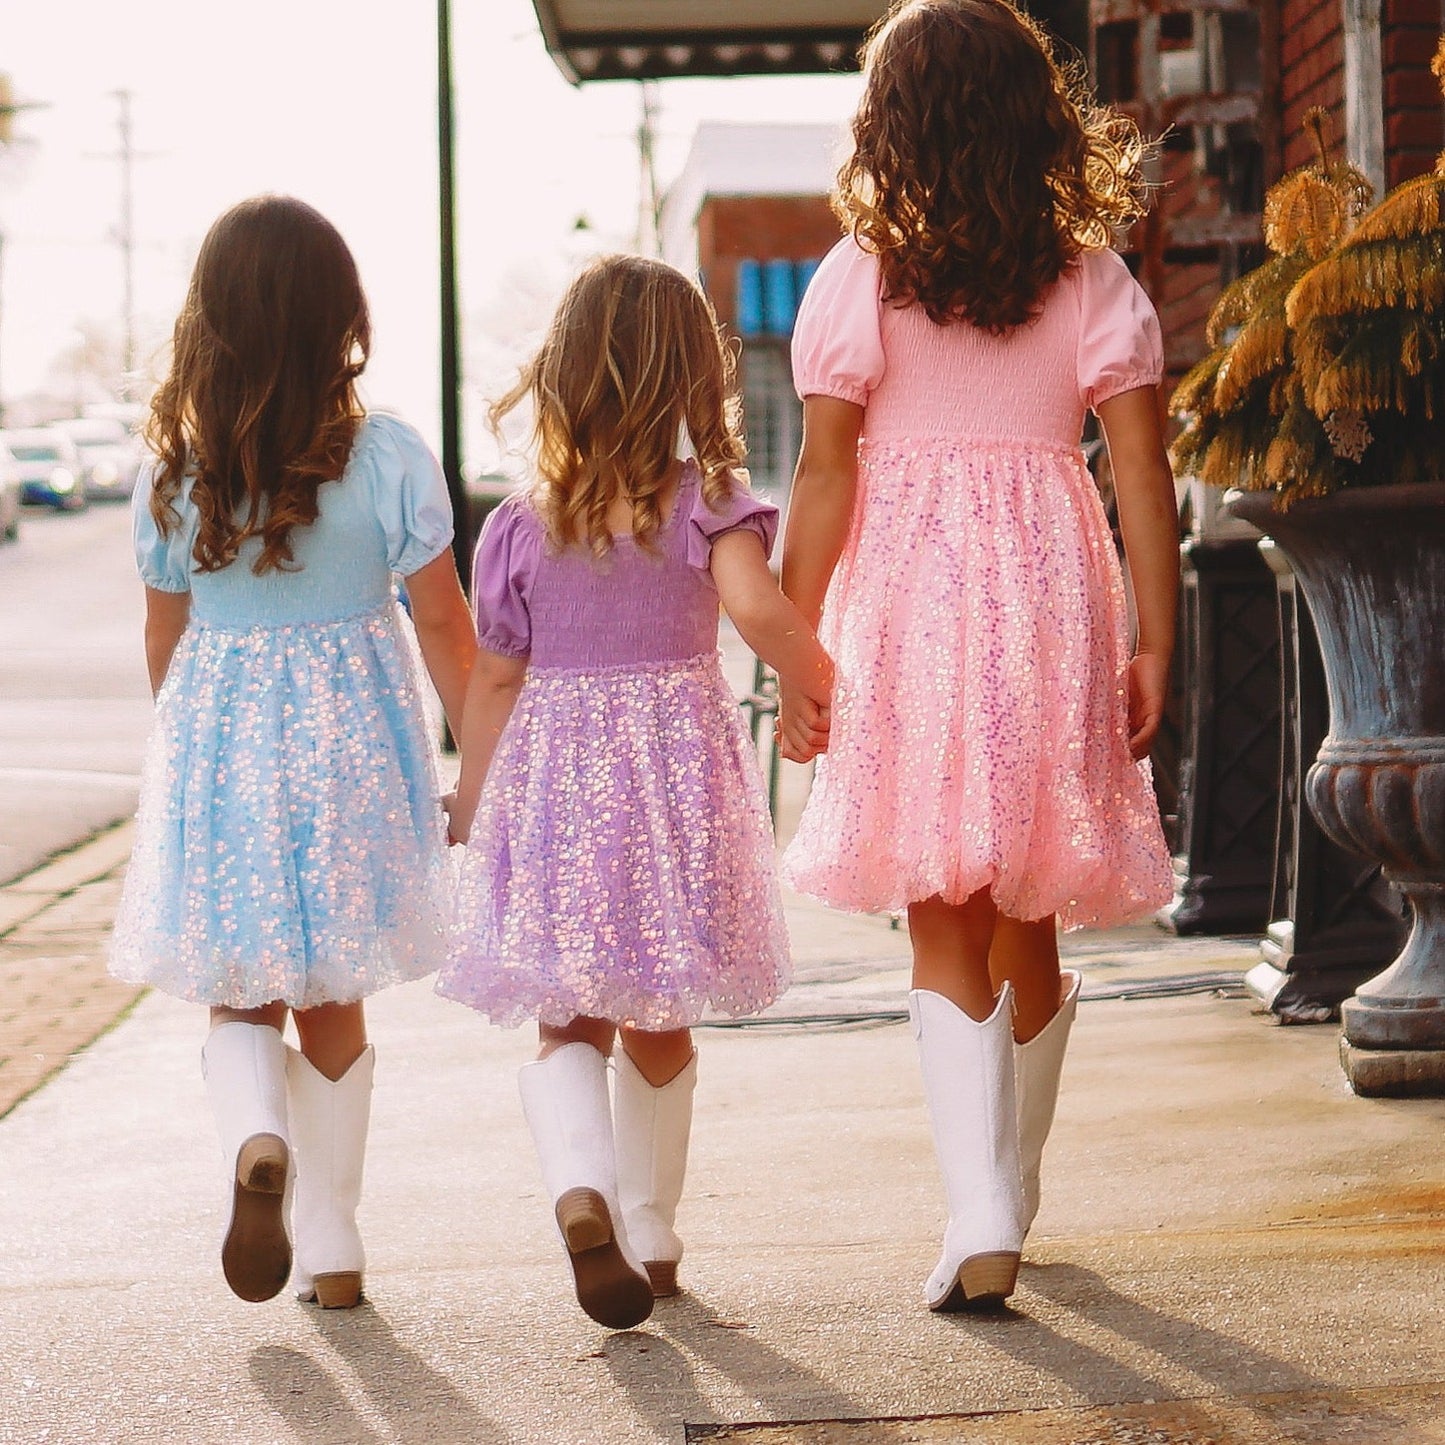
289	840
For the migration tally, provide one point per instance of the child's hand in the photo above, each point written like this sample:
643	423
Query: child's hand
458	828
803	726
1148	690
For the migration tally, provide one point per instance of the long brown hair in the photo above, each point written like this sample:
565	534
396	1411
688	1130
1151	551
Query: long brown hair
259	406
980	168
633	356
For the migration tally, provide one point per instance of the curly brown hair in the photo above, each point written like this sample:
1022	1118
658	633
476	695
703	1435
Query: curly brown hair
980	166
259	406
633	356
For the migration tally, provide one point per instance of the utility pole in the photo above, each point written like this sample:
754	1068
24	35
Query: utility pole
125	235
451	366
649	203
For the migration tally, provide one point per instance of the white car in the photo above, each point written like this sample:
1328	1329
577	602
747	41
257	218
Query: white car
110	455
9	496
50	468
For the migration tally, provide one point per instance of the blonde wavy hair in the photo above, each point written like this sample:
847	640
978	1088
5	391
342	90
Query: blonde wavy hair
259	406
981	167
633	357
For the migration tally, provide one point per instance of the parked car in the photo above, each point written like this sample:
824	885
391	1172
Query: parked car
50	468
109	455
10	485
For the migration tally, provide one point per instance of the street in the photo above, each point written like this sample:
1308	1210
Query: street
74	703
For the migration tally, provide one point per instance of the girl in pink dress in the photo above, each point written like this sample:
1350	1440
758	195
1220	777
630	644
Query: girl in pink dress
982	750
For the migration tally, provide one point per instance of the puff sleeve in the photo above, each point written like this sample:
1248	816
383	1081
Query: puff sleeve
164	562
838	339
1120	346
502	570
411	495
739	509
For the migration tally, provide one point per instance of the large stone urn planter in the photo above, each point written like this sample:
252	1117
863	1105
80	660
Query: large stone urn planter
1372	565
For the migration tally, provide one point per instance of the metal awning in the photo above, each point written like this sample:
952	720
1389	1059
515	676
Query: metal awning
657	39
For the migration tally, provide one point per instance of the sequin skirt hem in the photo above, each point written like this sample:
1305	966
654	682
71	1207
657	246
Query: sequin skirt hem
1107	902
511	1002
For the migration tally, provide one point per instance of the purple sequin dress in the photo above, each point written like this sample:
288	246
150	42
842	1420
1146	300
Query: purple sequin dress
621	863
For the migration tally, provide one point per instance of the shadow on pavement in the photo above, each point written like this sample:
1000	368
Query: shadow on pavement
660	1380
307	1397
419	1402
1222	1362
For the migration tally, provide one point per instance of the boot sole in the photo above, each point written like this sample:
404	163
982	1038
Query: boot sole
256	1255
984	1282
337	1291
608	1288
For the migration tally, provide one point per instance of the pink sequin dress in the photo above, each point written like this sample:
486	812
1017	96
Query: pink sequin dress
977	616
621	863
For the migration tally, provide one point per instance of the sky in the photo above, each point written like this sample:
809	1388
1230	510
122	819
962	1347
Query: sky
333	101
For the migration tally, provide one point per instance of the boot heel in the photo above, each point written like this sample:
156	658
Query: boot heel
984	1282
663	1275
261	1164
584	1221
341	1291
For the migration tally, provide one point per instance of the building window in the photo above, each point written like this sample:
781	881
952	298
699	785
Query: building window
772	416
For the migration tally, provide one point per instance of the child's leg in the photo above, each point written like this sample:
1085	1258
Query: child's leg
244	1063
329	1088
660	1057
656	1076
951	943
1027	956
965	1047
598	1032
565	1099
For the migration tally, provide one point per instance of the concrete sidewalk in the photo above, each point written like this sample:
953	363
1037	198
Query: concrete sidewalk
1232	1248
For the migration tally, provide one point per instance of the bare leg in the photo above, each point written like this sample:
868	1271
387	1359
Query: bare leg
333	1036
600	1033
660	1057
1026	954
951	943
273	1014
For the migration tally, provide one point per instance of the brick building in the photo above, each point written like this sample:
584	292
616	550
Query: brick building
749	214
1227	84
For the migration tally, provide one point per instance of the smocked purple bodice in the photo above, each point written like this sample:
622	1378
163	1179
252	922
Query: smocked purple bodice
636	607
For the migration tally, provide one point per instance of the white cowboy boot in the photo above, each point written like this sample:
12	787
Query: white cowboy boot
1037	1065
245	1072
652	1129
968	1081
564	1097
329	1122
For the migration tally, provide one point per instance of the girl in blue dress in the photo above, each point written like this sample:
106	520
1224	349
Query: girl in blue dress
290	850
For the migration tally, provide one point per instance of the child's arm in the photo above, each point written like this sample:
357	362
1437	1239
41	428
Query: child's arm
444	631
820	512
166	616
1149	521
491	695
820	508
774	628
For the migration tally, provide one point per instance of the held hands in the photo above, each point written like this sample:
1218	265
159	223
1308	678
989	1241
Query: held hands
459	822
1148	689
804	717
802	727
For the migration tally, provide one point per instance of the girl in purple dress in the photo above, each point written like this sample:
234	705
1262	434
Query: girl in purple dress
619	872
